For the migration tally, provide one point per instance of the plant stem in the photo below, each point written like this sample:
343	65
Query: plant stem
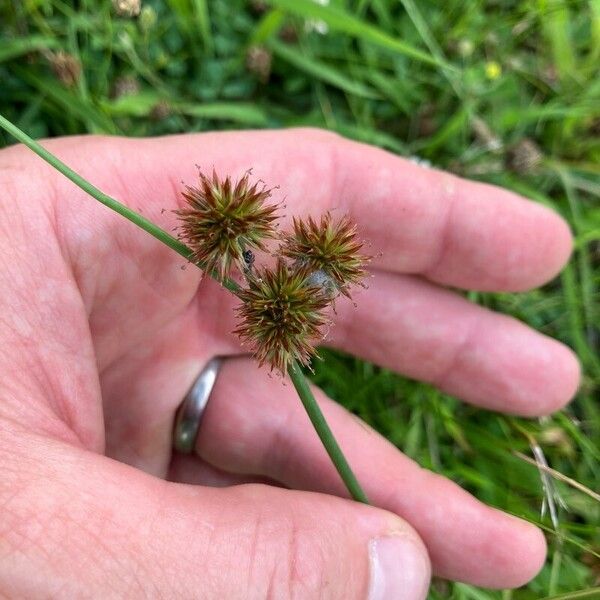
324	432
92	190
86	186
296	375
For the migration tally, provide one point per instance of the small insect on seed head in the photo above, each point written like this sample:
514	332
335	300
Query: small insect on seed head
223	220
328	247
249	259
281	315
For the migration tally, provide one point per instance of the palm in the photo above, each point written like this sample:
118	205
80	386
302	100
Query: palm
134	318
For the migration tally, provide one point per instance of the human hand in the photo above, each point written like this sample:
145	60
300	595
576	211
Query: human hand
102	333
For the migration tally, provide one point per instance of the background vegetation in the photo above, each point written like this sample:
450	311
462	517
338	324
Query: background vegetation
502	91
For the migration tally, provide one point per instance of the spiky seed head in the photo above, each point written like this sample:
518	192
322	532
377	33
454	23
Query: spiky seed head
282	316
328	247
222	220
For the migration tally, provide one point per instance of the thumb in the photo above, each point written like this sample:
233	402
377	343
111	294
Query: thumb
306	545
84	525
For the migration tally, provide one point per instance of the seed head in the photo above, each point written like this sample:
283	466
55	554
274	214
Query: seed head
281	315
222	220
524	157
66	68
127	8
258	62
328	247
161	110
126	85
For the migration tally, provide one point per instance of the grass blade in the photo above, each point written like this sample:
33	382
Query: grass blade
589	594
13	48
321	71
342	21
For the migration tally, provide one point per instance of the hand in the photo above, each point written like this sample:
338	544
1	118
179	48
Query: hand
102	332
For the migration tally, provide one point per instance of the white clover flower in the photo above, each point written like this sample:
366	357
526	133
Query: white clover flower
317	25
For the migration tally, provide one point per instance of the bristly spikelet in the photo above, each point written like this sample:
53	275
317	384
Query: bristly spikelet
328	247
281	316
222	220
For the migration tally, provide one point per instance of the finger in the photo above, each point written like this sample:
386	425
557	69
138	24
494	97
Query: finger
431	334
454	231
434	335
254	424
106	530
188	468
487	359
142	391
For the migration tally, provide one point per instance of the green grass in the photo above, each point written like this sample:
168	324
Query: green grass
440	80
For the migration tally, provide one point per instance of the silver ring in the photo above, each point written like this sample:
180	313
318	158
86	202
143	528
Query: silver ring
191	409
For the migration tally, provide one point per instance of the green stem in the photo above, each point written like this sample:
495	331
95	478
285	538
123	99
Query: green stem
92	190
294	371
86	186
325	433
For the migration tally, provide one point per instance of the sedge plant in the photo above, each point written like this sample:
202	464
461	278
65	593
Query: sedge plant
283	308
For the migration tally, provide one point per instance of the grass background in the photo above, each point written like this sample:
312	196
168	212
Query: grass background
501	91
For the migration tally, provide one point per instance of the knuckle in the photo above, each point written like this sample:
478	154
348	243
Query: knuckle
317	134
299	569
291	556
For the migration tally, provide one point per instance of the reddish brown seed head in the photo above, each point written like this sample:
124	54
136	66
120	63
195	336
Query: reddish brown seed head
328	246
222	220
281	316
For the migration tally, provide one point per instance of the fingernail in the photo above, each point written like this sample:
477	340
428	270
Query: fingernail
399	569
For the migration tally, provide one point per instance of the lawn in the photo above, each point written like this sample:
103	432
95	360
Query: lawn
500	91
